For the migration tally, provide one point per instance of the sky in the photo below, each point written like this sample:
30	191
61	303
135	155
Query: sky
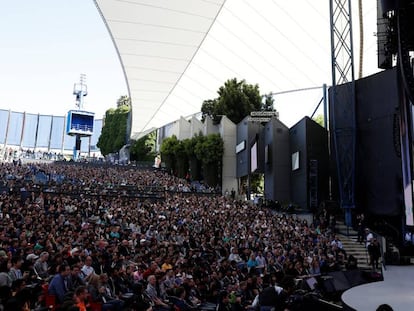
279	45
46	46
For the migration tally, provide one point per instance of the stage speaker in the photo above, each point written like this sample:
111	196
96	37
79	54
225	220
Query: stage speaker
328	284
340	281
354	277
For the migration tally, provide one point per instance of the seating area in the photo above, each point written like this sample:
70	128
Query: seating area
131	252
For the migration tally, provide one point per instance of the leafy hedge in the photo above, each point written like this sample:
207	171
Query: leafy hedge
197	158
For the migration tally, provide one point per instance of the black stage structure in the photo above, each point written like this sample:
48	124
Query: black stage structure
294	162
378	166
383	126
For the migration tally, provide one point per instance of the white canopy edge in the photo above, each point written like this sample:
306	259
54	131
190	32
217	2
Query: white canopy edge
156	41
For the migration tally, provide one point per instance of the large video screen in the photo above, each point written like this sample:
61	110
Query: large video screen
80	123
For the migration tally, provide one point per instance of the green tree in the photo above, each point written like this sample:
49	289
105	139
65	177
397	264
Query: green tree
209	150
319	119
194	164
268	103
168	149
208	109
180	157
256	183
236	100
124	100
113	135
181	160
144	148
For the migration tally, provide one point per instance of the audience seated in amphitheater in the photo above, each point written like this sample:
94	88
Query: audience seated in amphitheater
96	222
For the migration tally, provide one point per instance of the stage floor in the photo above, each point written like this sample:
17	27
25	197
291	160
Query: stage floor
397	290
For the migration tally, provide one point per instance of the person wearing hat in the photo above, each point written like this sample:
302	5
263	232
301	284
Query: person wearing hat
37	247
3	255
31	257
74	257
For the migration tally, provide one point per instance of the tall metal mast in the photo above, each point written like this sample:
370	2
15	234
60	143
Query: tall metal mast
80	90
344	128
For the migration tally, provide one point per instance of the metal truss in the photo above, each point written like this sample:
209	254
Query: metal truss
343	127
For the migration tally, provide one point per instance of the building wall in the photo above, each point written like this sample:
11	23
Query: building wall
210	127
184	129
277	168
196	127
249	132
299	185
317	149
242	158
42	132
311	141
227	131
282	183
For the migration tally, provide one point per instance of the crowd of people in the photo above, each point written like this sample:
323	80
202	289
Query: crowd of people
84	244
16	154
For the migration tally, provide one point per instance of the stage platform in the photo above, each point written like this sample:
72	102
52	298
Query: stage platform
397	290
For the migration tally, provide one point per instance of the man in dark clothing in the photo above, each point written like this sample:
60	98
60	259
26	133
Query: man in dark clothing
74	279
360	227
374	252
269	298
224	301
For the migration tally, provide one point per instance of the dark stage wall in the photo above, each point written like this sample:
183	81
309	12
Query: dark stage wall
310	182
277	162
378	177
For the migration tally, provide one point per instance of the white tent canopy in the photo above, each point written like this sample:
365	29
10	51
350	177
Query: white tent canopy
156	41
177	53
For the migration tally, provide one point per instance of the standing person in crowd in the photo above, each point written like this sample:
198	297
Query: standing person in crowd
368	237
360	219
374	252
271	297
332	223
